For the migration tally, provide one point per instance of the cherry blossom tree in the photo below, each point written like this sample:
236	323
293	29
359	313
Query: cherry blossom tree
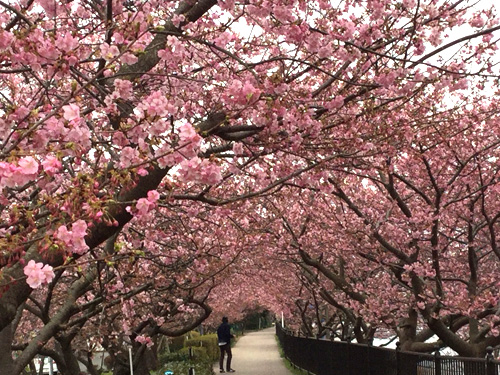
120	120
133	298
412	238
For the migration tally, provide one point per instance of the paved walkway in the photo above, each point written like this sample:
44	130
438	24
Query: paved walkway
256	353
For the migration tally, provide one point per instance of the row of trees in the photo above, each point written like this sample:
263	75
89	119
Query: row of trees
163	159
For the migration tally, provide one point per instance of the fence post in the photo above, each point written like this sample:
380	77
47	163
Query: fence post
348	355
490	365
368	357
398	359
437	362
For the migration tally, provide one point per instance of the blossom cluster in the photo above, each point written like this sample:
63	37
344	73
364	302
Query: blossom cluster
74	238
26	170
38	274
200	171
241	93
144	340
16	175
189	146
190	140
144	205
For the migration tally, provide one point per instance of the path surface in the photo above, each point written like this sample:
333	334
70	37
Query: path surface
256	353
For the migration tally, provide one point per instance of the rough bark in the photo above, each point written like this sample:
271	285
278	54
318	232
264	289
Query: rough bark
70	360
6	362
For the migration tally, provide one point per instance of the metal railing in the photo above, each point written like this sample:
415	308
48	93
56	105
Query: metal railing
323	357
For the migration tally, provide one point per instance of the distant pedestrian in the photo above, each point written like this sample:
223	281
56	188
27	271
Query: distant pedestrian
224	336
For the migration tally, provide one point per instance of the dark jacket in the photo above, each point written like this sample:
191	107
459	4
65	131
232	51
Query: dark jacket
224	333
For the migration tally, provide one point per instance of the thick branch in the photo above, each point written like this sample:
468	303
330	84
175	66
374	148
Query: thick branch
342	195
48	331
172	332
336	279
149	59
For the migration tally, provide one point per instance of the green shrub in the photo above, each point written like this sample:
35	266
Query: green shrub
182	367
209	342
176	343
193	334
197	353
204	350
165	358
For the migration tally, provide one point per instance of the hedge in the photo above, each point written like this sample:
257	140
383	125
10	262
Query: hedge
208	342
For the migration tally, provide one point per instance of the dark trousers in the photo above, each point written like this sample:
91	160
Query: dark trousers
223	350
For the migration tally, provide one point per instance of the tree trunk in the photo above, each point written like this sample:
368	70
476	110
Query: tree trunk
87	362
6	361
407	330
71	362
144	362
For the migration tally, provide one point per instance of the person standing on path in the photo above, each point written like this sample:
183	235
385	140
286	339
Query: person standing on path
224	336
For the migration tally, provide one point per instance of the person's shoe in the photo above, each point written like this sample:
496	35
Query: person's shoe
231	370
222	370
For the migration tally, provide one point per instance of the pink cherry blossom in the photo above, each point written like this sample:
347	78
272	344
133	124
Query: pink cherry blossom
38	274
6	38
128	156
74	239
190	140
48	51
28	165
109	52
142	171
67	42
79	246
198	170
238	149
143	206
51	165
7	169
336	102
478	21
153	196
79	229
177	19
123	88
157	105
64	234
187	133
224	38
242	92
144	340
283	14
129	58
71	112
50	7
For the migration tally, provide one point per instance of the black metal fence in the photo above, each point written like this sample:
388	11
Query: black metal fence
323	357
